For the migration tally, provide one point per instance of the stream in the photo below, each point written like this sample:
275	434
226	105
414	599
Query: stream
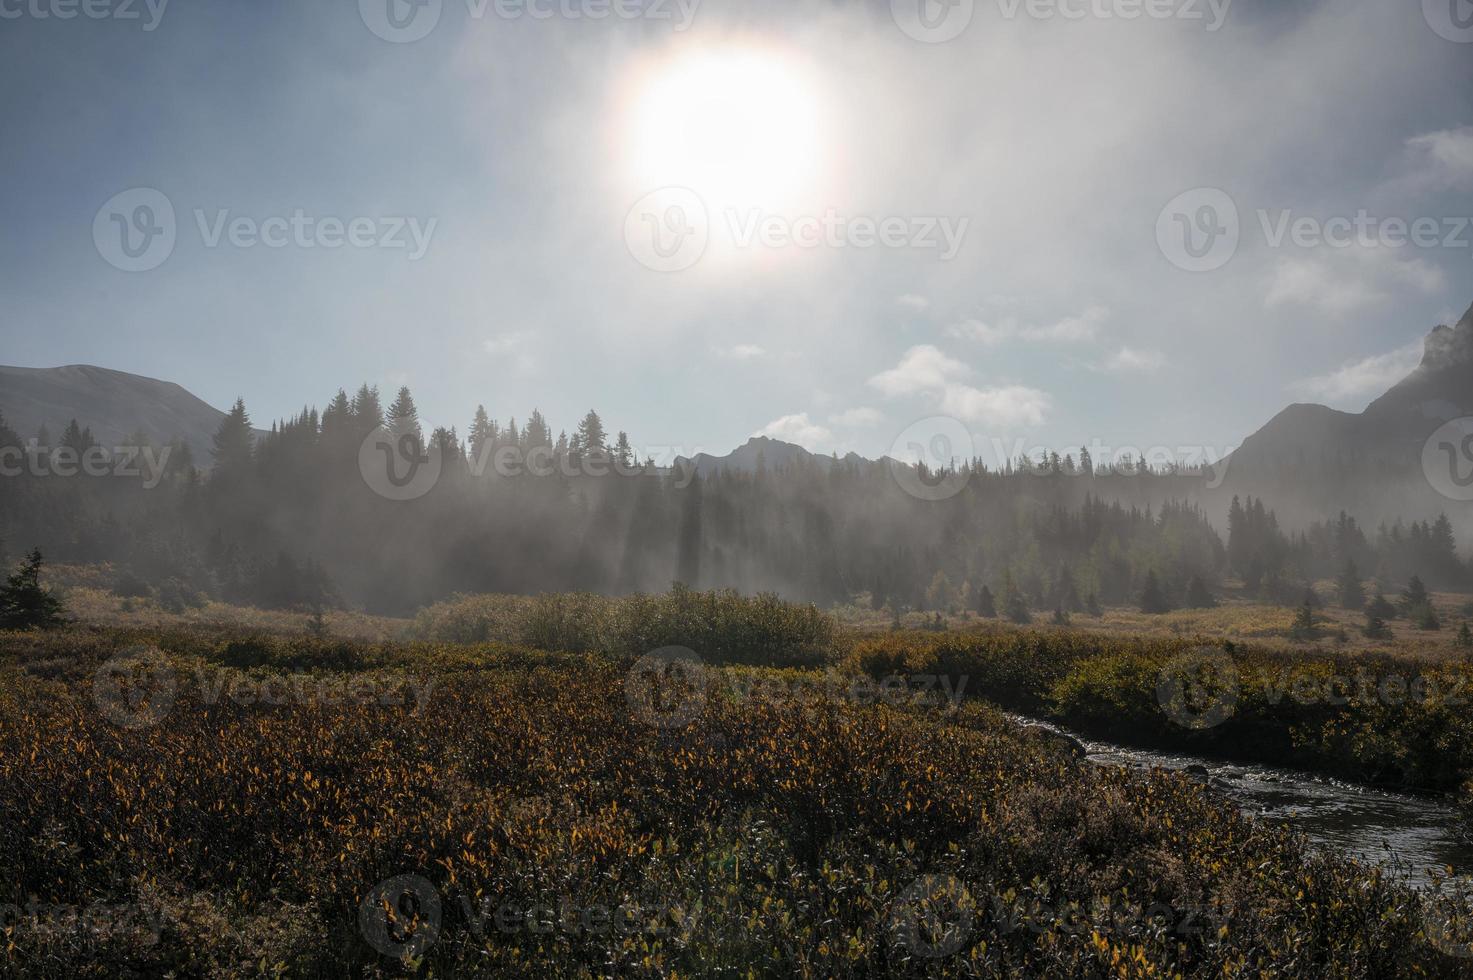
1408	835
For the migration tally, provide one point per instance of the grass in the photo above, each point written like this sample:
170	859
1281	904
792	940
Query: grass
1234	618
578	814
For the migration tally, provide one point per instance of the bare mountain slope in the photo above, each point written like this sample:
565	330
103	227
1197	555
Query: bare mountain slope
113	404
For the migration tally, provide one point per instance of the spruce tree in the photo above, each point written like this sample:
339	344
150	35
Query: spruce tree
1464	639
1197	595
1303	627
234	442
1092	606
1153	599
986	604
1352	594
1414	597
24	604
591	432
1376	628
1381	607
403	418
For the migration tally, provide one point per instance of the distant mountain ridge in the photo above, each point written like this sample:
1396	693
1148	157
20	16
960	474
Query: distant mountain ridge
758	450
113	404
1312	458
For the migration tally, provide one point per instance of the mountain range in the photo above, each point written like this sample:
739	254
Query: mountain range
1308	460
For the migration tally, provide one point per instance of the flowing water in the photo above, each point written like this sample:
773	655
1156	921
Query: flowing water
1410	836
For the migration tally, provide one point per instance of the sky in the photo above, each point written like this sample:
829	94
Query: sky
1052	223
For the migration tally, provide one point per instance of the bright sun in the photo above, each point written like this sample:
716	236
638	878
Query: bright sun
739	126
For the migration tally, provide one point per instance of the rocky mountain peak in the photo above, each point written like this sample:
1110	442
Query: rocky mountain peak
1450	346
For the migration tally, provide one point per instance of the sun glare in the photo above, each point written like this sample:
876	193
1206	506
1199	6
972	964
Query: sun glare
739	126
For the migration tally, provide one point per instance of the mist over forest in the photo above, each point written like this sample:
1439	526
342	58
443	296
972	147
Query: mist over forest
299	517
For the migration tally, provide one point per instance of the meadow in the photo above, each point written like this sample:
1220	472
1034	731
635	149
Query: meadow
211	800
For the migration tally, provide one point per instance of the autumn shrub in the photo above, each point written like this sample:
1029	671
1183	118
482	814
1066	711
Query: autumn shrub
501	828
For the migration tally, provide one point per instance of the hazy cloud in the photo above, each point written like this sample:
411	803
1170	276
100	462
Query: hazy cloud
1129	360
923	368
1071	329
798	429
741	352
857	418
1011	407
1370	376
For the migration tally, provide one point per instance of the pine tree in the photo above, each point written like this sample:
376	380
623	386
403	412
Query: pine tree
1093	607
482	432
403	418
1464	639
986	604
1303	627
24	604
1352	594
1376	628
1414	597
940	596
1153	599
1061	618
1381	607
368	412
591	432
234	443
1427	619
1017	609
1197	595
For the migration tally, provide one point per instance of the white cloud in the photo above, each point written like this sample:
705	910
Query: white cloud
1349	281
507	342
1443	159
922	368
512	348
983	333
1371	376
1128	360
999	408
925	370
798	429
856	418
1071	329
913	302
741	352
